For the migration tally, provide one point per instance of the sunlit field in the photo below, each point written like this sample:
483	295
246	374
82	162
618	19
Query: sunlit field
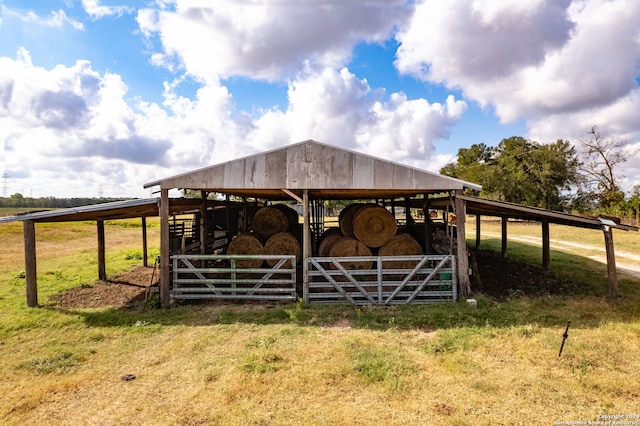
291	364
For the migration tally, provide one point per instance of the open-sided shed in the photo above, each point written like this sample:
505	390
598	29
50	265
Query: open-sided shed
305	172
311	173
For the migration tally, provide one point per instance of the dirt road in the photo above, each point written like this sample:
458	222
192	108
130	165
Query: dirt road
625	261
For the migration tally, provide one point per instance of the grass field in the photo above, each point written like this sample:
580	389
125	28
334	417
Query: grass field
292	364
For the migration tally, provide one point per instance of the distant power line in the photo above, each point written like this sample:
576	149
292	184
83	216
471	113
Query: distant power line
5	183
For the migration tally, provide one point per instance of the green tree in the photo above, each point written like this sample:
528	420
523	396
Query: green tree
472	164
520	171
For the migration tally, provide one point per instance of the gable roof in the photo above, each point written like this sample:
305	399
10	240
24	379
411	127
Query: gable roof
328	172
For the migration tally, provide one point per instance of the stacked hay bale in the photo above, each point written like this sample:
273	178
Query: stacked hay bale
273	232
401	245
366	229
248	243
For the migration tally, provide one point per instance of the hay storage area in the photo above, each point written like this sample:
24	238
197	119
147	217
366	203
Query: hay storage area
350	247
269	221
374	225
282	243
401	245
326	241
345	219
250	244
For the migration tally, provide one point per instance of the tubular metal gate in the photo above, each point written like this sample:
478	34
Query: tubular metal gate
218	277
391	280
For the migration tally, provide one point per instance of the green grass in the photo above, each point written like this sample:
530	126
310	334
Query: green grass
296	364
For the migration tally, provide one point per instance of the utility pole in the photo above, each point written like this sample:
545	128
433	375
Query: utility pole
5	184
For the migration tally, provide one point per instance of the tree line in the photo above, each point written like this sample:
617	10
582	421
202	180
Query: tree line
18	200
554	176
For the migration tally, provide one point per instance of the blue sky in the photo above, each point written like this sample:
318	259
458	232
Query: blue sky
98	97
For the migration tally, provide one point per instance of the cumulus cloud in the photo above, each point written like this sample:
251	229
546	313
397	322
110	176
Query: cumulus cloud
546	61
48	117
79	122
97	11
336	107
265	40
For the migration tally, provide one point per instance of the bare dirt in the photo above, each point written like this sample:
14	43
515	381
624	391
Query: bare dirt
126	291
501	278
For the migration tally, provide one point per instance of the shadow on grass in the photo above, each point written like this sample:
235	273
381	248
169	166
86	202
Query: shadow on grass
575	290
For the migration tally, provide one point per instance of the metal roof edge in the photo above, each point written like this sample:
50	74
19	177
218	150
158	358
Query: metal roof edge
464	184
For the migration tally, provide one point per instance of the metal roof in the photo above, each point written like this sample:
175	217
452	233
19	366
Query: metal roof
486	207
145	207
326	171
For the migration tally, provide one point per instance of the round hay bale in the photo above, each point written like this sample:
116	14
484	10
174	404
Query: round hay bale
327	239
374	225
401	245
282	243
246	244
290	213
345	219
350	247
269	221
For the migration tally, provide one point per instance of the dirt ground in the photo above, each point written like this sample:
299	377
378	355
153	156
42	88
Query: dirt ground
495	277
501	278
127	290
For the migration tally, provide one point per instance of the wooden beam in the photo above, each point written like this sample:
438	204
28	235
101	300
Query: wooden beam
546	249
407	212
461	240
428	226
504	237
30	263
145	249
102	268
611	261
306	244
477	231
165	272
293	195
203	222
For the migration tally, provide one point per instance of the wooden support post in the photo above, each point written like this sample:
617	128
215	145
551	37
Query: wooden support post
145	247
407	213
102	268
461	240
30	263
306	244
203	223
428	226
611	261
546	249
504	237
165	271
477	231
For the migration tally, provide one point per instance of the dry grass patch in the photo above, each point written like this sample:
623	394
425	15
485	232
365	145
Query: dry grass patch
292	364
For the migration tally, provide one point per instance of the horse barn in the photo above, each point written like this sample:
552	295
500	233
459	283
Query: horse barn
259	230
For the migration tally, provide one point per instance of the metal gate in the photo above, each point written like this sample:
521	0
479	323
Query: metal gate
219	277
391	280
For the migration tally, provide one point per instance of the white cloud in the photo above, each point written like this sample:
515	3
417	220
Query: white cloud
56	19
560	65
74	123
337	108
97	11
265	40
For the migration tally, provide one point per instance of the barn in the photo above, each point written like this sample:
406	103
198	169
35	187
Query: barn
310	173
259	230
